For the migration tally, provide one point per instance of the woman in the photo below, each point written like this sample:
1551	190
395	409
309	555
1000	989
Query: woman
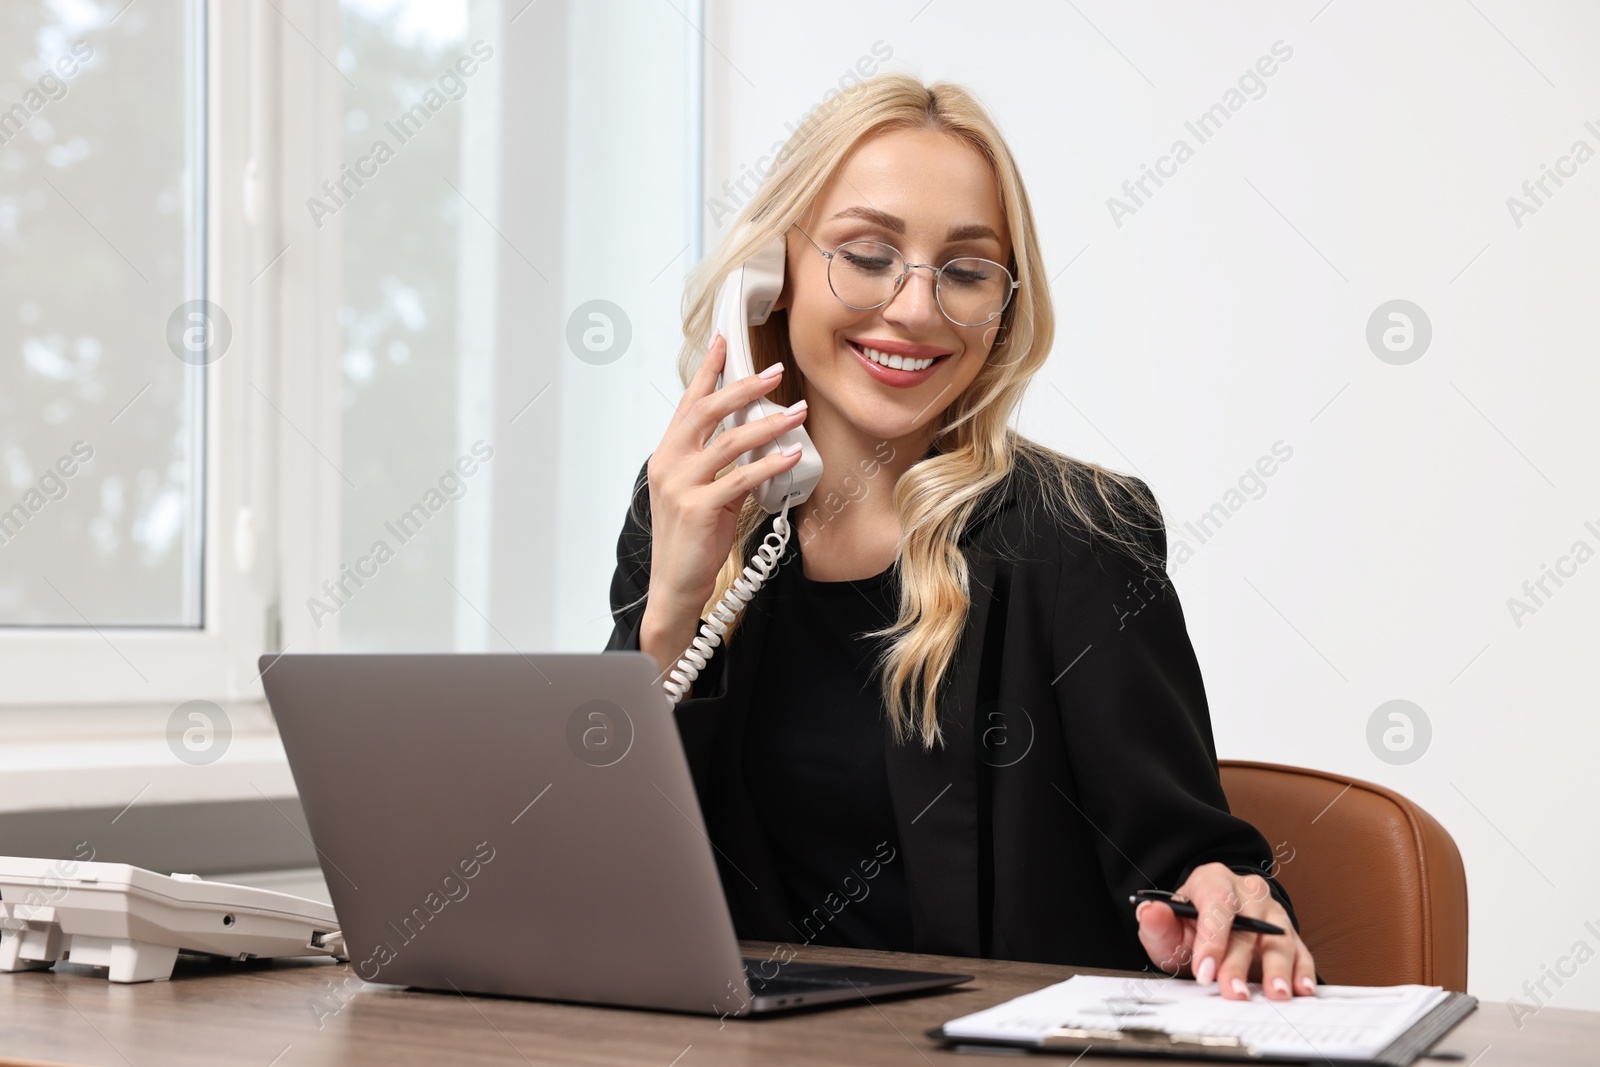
963	715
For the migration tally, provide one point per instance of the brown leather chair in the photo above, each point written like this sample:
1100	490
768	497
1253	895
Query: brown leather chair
1377	884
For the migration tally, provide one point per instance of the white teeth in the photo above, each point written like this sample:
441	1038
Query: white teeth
895	362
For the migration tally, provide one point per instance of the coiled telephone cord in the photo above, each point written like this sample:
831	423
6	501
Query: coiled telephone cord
681	678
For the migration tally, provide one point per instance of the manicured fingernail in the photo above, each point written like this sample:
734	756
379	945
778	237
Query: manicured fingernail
1208	969
790	450
773	371
797	406
1240	988
1308	984
1281	986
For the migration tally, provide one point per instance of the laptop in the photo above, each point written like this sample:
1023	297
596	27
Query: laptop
526	825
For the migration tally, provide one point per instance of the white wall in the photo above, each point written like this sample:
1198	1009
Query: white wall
1230	312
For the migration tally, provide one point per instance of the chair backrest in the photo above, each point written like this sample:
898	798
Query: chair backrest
1377	884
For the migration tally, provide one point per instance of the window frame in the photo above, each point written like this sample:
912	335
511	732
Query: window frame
270	498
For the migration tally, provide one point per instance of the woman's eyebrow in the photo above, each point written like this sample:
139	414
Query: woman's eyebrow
964	232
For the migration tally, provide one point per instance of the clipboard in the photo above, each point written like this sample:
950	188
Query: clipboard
1143	1041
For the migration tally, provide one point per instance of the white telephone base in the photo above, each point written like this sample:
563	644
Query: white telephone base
134	922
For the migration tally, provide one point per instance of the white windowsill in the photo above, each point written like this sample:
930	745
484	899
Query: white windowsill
71	758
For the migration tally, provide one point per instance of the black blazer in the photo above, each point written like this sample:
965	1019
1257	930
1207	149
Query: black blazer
1078	763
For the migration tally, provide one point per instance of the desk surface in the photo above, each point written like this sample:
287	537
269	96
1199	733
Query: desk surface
262	1014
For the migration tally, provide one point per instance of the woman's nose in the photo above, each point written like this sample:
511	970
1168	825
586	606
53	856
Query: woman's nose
916	302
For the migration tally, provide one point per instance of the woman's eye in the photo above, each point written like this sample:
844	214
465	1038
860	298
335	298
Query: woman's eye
966	277
866	263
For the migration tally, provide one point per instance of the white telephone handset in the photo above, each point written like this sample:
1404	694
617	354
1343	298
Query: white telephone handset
745	300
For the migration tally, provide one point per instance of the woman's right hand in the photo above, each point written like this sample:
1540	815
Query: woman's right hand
693	513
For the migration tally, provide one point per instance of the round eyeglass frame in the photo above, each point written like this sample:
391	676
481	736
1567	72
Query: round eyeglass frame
899	283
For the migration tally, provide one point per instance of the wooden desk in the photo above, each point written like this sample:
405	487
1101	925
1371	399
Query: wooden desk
262	1015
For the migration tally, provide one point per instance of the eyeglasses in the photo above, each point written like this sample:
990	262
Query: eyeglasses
970	291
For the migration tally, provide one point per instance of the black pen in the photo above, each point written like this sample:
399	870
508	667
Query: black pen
1182	907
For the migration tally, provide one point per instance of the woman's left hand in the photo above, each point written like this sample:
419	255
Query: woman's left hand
1208	948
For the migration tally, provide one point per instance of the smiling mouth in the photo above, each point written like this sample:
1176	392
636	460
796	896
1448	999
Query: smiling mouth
894	362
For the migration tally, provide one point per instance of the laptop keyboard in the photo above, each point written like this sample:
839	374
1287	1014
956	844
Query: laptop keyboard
785	982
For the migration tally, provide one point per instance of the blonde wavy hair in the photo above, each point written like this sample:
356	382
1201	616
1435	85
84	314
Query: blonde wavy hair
974	447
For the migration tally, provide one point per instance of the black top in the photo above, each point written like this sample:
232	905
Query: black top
814	755
1025	853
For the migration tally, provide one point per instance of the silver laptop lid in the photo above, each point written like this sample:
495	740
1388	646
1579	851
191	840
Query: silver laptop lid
510	824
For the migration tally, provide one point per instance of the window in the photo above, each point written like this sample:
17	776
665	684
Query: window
145	577
520	170
102	222
383	350
414	269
